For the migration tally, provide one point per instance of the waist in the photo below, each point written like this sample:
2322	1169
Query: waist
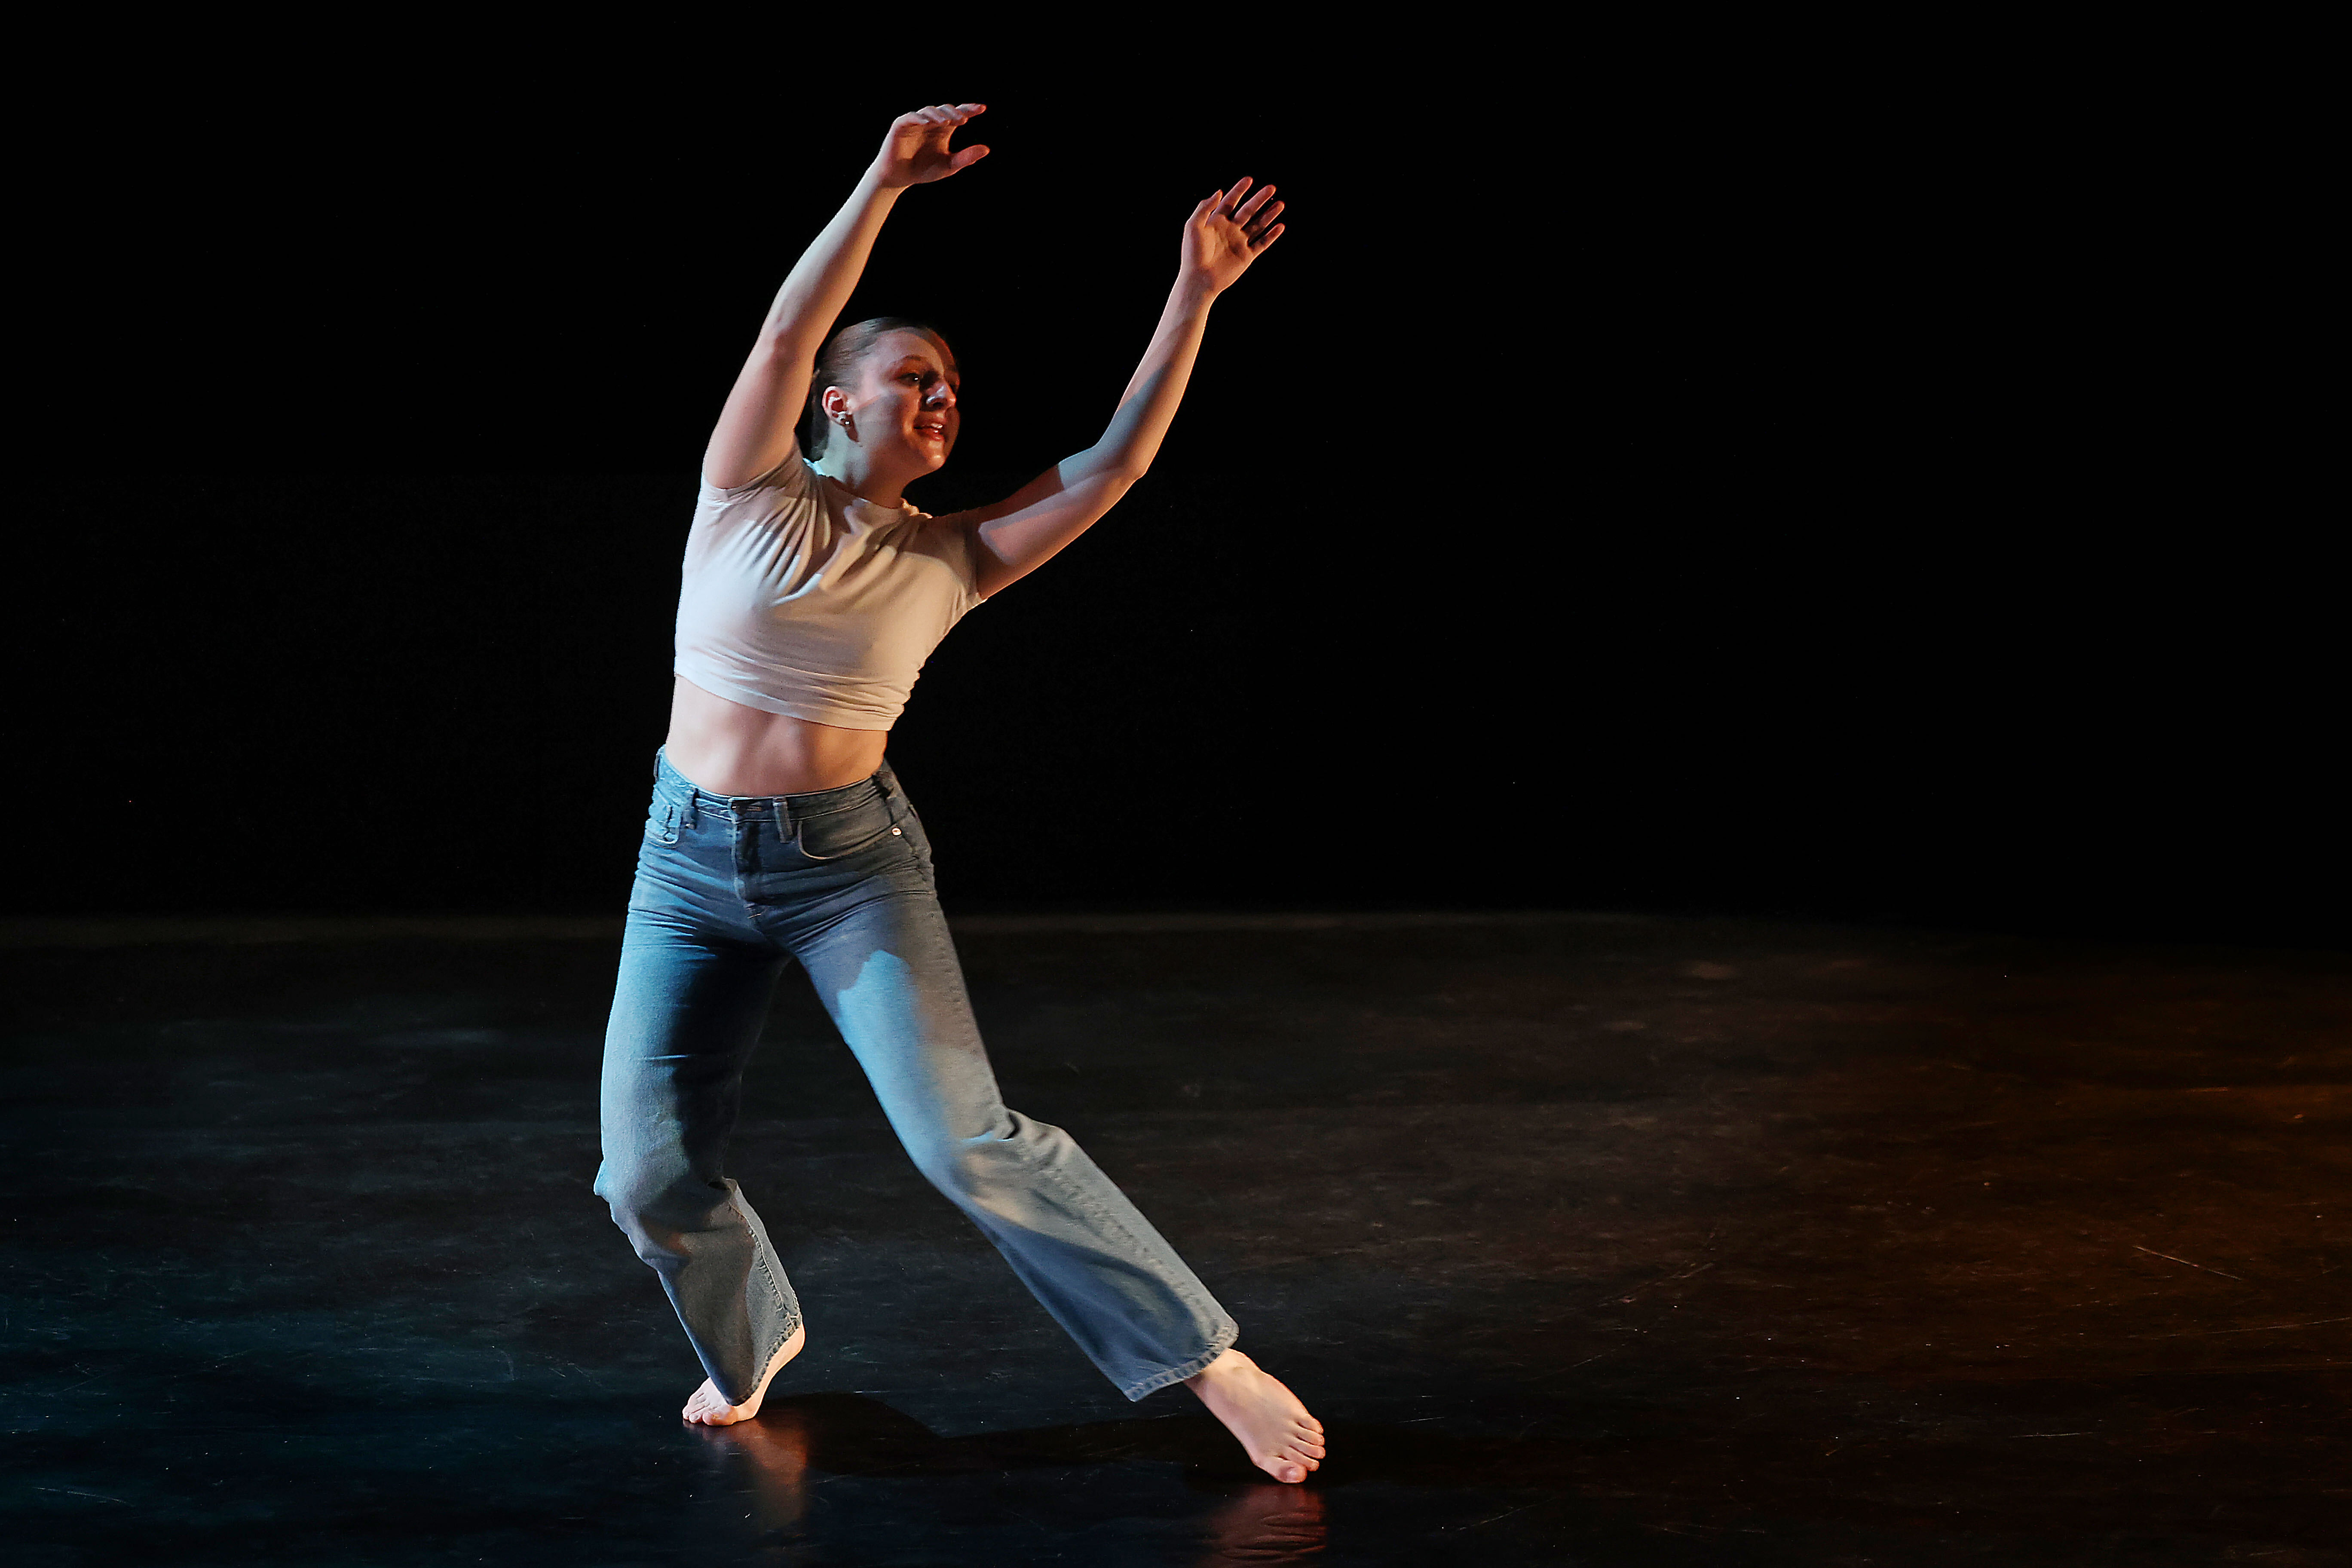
733	750
673	785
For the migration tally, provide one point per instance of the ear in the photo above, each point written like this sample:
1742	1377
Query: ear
834	402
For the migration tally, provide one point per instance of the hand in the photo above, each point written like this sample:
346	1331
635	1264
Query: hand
916	152
1225	234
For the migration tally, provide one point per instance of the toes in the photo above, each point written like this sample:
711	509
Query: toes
1288	1473
704	1409
1290	1458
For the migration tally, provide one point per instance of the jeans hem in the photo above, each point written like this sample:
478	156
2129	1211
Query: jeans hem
1219	1345
791	1327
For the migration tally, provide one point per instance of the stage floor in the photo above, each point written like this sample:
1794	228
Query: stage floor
1592	1241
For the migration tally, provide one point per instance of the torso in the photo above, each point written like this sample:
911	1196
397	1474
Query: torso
799	594
730	749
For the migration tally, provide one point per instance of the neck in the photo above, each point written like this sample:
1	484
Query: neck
850	467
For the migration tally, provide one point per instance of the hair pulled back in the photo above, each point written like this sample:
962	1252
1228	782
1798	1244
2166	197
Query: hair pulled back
838	359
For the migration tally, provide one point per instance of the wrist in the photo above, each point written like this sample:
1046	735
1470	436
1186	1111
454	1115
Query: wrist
1193	292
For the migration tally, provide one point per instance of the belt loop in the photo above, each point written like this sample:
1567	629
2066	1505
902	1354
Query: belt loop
783	820
688	811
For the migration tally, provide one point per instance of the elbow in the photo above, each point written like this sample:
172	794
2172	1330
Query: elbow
1112	463
1119	473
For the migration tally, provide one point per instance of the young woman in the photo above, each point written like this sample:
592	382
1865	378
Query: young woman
813	595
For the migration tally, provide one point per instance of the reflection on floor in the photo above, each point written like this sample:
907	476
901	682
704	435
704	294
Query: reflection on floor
841	1434
1601	1241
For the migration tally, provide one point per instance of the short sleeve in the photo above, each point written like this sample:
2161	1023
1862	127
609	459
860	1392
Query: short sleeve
792	479
960	550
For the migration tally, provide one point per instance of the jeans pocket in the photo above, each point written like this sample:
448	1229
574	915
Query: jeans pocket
662	821
836	835
917	842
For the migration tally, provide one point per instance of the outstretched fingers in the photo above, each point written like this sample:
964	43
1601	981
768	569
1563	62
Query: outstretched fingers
1227	230
1248	209
1262	229
1253	213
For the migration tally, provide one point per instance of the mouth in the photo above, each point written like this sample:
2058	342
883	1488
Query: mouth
930	430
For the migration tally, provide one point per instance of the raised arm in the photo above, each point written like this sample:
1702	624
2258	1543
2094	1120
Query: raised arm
755	430
1021	533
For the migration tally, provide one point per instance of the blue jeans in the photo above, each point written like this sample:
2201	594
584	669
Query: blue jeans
730	890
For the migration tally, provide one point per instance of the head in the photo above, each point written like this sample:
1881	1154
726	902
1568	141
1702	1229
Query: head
887	386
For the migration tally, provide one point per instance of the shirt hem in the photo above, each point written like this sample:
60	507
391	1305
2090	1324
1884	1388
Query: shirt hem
815	712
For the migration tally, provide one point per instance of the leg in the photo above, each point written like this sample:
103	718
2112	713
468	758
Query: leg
888	976
685	1013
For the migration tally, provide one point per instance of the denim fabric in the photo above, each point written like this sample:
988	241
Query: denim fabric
729	891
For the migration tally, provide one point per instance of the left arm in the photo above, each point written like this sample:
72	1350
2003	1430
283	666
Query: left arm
1021	533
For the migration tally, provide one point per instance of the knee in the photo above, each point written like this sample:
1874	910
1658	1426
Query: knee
964	1172
649	1201
970	1169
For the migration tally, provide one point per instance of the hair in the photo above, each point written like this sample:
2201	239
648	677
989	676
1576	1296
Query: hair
839	357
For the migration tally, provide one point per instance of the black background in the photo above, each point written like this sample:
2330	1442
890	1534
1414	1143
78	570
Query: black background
1634	481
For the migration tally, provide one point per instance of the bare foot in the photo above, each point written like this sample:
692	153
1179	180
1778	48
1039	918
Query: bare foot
711	1410
1281	1439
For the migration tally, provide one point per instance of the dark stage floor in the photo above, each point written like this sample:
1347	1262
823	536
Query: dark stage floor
1594	1241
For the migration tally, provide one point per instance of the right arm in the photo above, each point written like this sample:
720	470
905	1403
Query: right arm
755	430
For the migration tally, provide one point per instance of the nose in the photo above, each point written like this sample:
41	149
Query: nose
941	396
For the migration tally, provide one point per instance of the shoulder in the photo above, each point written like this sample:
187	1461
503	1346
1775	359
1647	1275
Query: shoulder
792	479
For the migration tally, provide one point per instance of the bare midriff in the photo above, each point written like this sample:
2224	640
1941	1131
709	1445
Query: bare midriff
729	749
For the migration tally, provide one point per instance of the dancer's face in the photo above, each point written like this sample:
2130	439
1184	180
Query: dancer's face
907	398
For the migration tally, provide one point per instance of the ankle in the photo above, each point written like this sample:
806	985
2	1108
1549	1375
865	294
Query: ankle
1227	1362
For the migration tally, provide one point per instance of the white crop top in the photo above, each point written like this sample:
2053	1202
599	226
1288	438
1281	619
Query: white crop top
800	598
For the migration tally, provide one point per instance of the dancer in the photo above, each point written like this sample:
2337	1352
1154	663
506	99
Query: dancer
778	834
